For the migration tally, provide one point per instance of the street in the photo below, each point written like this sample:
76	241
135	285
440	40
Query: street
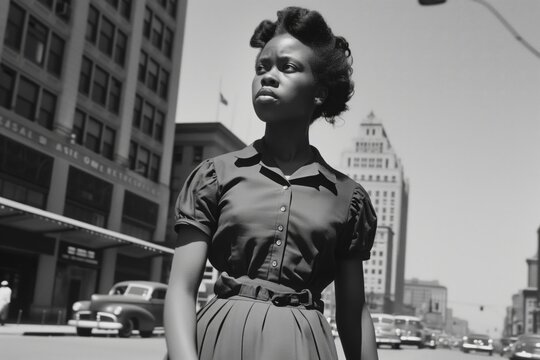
18	347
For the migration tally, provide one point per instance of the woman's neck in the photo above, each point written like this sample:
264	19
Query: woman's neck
289	146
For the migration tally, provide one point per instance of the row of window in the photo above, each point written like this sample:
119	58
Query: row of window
373	271
148	119
26	97
93	134
102	32
143	161
368	163
384	178
122	6
62	8
101	87
153	76
371	147
159	34
169	6
38	44
197	154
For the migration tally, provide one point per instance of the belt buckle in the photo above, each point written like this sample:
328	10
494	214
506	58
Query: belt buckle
309	301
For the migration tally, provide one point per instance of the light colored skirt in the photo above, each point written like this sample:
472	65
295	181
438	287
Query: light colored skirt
240	328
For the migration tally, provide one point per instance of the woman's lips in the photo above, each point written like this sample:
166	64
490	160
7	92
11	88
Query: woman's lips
265	92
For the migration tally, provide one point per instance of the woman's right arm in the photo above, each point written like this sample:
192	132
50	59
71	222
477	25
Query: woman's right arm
186	273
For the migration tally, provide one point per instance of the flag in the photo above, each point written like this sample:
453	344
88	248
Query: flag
222	99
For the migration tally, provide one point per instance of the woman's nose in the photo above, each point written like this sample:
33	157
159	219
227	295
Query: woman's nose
269	79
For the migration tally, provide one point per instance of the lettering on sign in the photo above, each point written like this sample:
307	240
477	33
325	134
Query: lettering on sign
73	153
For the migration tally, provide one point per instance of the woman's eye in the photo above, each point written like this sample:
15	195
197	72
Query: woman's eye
259	69
289	67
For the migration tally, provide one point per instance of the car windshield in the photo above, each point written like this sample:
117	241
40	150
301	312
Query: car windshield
137	290
411	323
531	340
387	321
481	337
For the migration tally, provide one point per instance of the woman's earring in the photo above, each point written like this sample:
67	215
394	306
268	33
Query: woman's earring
318	101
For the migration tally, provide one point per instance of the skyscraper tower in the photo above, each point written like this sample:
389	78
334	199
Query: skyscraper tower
375	165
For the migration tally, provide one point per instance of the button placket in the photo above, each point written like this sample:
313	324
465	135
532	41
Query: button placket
280	232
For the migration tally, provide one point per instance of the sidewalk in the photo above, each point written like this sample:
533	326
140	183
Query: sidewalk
35	329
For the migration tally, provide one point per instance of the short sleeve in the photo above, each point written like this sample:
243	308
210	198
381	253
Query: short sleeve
196	204
360	228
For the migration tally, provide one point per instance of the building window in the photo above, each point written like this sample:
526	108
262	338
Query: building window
86	76
108	143
7	86
158	126
92	24
14	26
99	87
140	215
93	134
197	154
143	61
178	155
47	109
152	76
120	48
56	53
168	41
154	168
106	35
125	9
115	92
157	32
163	84
147	22
143	162
36	41
27	96
137	111
148	118
78	126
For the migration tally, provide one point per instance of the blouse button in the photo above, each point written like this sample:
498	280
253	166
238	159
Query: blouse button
278	242
282	209
285	187
280	228
274	263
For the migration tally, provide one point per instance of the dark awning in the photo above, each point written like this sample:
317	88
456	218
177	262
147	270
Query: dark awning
24	217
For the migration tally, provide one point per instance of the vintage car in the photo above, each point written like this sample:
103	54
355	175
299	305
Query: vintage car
410	330
386	332
129	306
525	347
477	343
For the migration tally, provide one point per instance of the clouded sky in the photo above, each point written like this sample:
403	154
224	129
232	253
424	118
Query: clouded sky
459	99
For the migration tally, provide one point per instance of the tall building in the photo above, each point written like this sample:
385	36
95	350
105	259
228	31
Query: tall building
194	142
88	93
430	300
375	165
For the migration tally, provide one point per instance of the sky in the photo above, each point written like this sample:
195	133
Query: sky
459	98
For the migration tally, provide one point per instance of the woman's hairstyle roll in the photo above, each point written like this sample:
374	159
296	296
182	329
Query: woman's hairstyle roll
332	68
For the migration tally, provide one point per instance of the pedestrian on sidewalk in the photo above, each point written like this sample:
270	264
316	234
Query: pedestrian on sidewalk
275	219
5	299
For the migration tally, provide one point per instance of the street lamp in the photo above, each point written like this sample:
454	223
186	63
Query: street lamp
499	17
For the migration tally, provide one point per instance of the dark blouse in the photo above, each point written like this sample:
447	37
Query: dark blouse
292	232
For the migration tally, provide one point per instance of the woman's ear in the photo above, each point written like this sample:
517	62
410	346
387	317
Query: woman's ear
321	95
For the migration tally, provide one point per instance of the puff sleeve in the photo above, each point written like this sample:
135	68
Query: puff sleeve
360	228
197	202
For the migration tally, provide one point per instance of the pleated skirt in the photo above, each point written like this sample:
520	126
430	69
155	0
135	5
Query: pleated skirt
240	328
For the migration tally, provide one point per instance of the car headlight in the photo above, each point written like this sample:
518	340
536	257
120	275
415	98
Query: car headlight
117	310
76	306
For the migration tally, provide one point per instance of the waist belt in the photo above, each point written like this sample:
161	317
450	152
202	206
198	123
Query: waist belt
227	286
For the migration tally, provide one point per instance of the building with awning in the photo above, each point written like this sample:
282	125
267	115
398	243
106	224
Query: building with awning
88	95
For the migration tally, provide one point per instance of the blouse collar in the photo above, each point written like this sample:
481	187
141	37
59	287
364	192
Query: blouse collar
253	154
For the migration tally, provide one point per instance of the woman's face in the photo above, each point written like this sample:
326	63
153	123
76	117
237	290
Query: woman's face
284	87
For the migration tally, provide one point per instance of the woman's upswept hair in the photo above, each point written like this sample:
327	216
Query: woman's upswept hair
332	69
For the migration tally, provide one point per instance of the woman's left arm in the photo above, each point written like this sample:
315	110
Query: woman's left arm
353	320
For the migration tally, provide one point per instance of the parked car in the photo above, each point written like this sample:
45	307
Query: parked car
129	306
410	330
430	338
386	332
477	343
526	347
506	346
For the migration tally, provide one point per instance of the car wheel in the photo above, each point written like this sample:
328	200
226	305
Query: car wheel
127	329
84	331
146	334
491	353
